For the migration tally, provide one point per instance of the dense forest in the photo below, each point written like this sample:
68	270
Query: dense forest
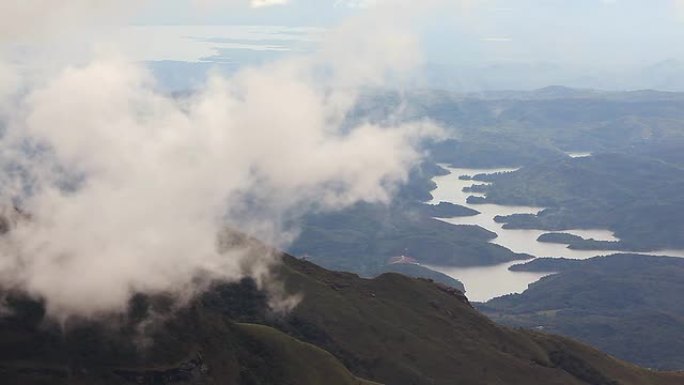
627	305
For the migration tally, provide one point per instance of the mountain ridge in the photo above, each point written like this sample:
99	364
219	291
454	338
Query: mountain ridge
391	330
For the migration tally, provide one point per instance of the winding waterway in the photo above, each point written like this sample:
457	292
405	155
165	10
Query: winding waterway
484	283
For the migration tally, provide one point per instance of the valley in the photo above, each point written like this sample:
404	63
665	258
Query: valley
485	283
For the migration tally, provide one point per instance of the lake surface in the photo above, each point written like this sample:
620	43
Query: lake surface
484	283
193	43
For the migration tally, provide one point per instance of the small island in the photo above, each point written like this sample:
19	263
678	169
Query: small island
447	210
561	238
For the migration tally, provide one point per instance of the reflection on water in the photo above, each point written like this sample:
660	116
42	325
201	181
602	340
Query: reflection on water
484	283
579	154
193	43
450	189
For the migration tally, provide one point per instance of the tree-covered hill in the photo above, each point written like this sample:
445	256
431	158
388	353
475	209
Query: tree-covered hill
628	305
639	198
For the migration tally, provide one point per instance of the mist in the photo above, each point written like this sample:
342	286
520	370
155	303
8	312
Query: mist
120	188
472	45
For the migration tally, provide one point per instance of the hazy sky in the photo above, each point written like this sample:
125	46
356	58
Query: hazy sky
467	44
602	33
519	43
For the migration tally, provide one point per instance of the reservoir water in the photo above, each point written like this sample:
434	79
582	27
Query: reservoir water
484	283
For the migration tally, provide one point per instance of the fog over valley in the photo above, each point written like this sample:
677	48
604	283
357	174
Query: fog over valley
341	192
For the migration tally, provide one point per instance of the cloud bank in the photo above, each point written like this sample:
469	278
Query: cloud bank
123	189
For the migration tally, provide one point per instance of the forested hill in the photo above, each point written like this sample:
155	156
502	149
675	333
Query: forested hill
628	305
637	197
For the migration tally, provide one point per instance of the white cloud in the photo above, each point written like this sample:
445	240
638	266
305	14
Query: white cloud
25	19
355	3
8	83
497	39
251	3
154	178
267	3
679	9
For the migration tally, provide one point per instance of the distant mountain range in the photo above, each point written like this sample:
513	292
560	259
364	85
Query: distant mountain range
666	75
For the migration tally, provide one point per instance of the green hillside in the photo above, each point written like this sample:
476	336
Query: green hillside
391	330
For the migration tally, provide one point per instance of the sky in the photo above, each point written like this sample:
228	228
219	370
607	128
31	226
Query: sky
579	31
468	45
498	43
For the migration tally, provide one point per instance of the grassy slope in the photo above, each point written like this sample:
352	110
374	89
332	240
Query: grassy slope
399	330
392	330
297	362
